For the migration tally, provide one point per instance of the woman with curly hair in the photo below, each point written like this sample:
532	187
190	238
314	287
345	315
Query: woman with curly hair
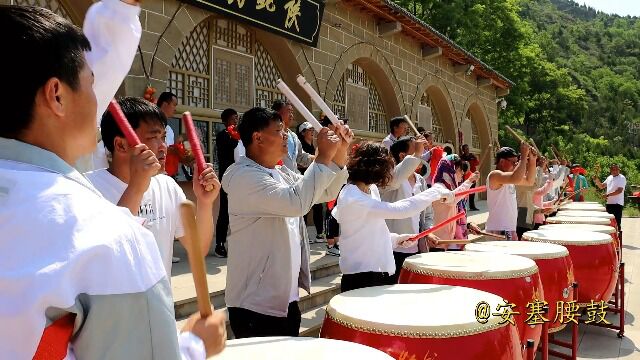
449	175
365	240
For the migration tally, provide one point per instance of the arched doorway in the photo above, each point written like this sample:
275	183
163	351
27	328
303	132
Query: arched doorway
221	64
436	114
477	135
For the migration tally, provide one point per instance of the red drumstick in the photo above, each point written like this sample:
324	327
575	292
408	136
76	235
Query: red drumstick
478	189
194	141
123	123
438	227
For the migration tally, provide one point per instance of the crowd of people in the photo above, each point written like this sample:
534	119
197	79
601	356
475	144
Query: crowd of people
91	254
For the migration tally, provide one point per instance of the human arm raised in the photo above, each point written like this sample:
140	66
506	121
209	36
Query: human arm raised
498	178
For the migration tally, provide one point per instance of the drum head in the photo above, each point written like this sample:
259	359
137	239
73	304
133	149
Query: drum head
528	249
605	229
414	310
582	206
568	237
471	265
577	213
561	219
289	348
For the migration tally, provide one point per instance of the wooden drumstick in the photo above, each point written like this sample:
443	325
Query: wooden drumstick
554	154
196	259
413	127
501	237
453	242
515	134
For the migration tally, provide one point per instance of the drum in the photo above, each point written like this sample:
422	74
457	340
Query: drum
604	229
597	214
514	278
289	348
558	219
580	206
412	321
554	264
594	258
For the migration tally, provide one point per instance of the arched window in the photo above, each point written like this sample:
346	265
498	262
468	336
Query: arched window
357	98
436	124
475	135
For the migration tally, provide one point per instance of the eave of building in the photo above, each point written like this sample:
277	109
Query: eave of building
387	10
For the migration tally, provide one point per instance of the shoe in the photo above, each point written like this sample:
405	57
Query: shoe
220	251
333	251
175	260
320	238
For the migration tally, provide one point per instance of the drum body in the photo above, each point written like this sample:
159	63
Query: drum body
554	265
289	348
513	278
431	322
594	258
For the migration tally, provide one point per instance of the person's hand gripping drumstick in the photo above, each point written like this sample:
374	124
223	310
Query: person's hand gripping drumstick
208	325
202	169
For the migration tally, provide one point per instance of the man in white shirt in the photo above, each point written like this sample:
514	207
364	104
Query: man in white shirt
398	127
83	269
511	169
295	155
615	184
132	179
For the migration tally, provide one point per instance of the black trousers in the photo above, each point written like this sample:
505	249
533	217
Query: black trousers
364	279
472	198
222	225
399	258
616	210
318	218
246	323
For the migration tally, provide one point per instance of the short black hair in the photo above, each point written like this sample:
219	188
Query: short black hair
136	110
166	97
463	145
402	145
396	121
448	150
465	166
371	163
227	114
278	104
254	120
421	129
42	46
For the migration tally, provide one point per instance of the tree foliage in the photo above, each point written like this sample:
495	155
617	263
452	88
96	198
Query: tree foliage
577	71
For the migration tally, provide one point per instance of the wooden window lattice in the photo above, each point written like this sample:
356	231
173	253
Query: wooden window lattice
377	117
475	136
436	125
229	34
53	5
266	74
191	63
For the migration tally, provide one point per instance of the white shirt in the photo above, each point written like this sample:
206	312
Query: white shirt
388	141
613	183
365	241
170	136
160	206
293	225
503	208
239	151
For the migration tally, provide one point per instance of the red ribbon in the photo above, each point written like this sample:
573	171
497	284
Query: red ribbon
55	339
438	227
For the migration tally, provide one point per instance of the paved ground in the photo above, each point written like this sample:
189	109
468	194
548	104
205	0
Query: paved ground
600	343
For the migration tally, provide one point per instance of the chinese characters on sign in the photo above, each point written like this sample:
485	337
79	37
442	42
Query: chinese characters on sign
283	17
567	312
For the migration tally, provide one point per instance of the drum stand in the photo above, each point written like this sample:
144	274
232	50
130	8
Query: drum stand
548	338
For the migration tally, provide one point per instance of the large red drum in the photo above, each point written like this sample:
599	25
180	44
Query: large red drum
604	229
580	206
514	278
590	214
290	348
563	219
594	258
554	264
412	321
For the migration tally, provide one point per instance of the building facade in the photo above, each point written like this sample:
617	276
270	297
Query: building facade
372	62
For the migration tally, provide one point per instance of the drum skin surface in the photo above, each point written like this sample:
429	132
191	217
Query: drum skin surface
290	348
582	207
554	265
513	278
562	219
421	322
605	229
594	258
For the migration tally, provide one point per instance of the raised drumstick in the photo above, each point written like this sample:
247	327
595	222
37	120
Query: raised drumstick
123	123
195	146
438	226
196	259
413	127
